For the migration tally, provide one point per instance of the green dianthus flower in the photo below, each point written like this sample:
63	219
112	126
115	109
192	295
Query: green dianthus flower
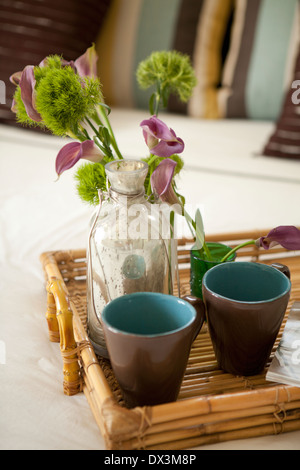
91	178
64	99
170	71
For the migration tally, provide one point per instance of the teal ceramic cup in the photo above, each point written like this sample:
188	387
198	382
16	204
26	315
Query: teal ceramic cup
148	337
245	305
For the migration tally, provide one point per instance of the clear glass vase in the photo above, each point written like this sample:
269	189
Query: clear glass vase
130	245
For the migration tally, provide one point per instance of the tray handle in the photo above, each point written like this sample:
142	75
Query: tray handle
59	317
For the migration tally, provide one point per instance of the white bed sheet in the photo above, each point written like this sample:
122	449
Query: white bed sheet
235	188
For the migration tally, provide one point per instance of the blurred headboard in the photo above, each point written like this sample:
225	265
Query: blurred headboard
32	29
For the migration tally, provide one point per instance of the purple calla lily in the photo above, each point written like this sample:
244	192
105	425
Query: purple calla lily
86	64
161	183
287	236
161	140
69	155
27	84
26	80
13	106
15	78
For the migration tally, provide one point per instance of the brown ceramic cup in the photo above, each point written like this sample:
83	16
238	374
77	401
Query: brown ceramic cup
245	305
148	337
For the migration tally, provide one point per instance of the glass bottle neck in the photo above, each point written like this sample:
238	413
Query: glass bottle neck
127	177
117	196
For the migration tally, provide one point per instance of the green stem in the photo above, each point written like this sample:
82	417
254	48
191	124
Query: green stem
150	162
101	111
250	242
157	105
92	126
157	98
98	141
152	159
105	150
72	135
85	132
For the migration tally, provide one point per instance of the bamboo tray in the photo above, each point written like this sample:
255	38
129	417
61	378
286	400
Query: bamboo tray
212	407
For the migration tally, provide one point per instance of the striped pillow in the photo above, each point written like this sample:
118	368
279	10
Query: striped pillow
259	65
135	28
285	141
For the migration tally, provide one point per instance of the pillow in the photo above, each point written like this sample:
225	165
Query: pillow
285	140
259	64
134	29
209	49
30	30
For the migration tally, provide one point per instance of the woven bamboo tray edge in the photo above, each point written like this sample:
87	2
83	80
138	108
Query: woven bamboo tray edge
184	424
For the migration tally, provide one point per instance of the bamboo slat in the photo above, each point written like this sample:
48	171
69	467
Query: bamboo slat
213	406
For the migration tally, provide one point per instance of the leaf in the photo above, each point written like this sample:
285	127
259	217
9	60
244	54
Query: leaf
103	149
200	235
107	108
105	136
180	196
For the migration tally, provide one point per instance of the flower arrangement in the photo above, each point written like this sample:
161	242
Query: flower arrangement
66	98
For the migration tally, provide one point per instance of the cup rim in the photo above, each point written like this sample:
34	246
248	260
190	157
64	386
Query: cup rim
150	294
252	302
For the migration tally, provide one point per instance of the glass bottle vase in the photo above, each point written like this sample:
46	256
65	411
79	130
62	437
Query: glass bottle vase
130	247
